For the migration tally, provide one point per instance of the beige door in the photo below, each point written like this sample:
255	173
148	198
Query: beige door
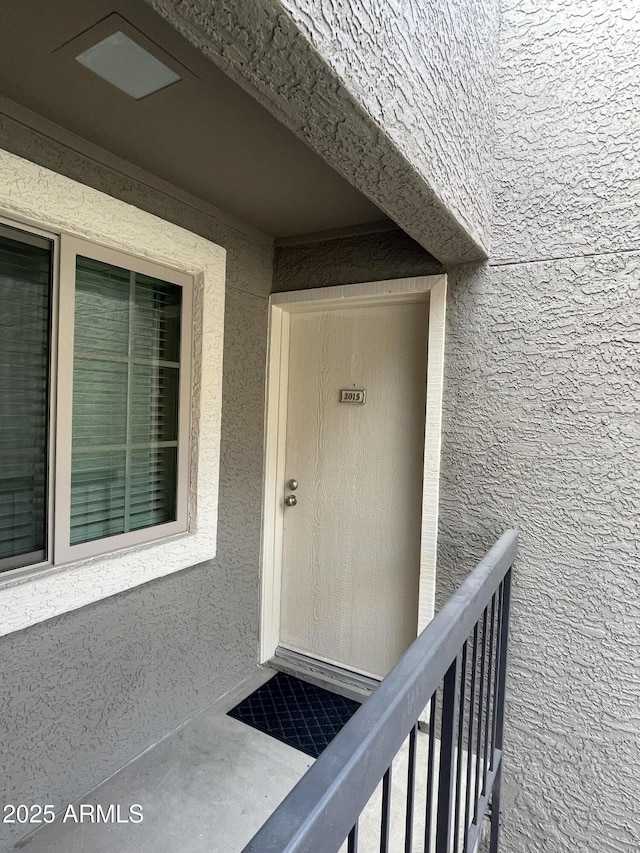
351	544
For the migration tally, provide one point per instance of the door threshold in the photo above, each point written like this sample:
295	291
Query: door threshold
352	685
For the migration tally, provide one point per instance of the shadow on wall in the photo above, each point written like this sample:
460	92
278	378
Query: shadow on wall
350	260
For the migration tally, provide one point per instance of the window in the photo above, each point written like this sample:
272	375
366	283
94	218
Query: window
102	350
39	204
25	344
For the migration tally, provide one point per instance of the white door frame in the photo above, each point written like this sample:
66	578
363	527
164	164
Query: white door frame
281	305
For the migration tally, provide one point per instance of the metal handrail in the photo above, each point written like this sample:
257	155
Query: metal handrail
323	808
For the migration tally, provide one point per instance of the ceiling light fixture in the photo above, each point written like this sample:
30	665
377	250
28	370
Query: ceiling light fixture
127	66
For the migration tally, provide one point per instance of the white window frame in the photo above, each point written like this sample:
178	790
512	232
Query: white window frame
63	551
37	199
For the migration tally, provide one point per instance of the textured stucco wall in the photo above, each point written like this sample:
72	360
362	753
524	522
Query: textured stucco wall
568	132
83	693
541	421
541	432
443	55
349	260
430	180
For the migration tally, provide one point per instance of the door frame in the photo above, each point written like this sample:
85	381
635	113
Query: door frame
432	288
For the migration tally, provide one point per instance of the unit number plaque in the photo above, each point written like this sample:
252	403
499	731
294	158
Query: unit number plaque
352	396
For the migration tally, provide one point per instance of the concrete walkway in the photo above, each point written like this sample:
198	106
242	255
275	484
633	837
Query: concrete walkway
208	786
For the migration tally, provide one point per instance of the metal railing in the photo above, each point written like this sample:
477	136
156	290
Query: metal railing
453	676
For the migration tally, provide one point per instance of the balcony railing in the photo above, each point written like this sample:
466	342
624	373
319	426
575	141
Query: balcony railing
448	689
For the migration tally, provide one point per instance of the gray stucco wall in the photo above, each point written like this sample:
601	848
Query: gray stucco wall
85	692
541	402
368	257
431	182
567	130
425	73
541	420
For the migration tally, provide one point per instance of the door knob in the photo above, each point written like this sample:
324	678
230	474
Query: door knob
291	500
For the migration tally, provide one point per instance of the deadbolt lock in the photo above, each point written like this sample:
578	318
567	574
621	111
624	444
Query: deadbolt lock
293	485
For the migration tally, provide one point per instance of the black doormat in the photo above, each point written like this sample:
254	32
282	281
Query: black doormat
297	713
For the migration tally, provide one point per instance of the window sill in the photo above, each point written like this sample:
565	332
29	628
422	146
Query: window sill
47	592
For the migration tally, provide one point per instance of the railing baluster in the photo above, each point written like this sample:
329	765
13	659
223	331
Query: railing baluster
472	699
494	719
352	846
483	655
428	820
485	763
411	788
494	842
461	708
500	700
446	778
504	636
386	812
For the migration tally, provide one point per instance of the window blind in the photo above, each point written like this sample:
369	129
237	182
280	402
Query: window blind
126	380
25	306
